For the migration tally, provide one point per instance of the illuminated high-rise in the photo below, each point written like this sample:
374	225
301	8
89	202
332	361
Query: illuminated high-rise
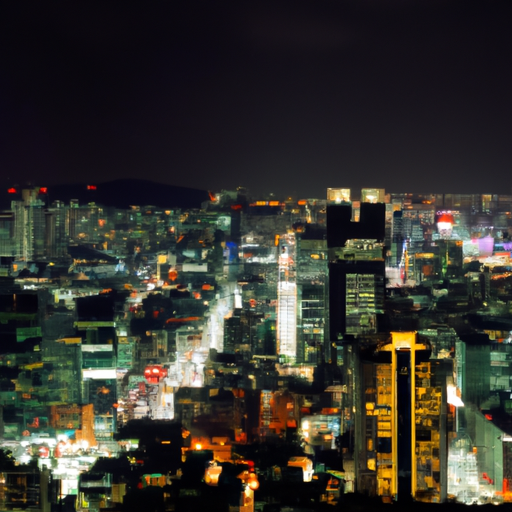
29	226
356	268
403	429
286	326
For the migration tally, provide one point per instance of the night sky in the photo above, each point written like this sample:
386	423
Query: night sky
283	97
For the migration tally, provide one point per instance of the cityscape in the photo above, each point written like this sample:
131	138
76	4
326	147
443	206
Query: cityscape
255	256
254	352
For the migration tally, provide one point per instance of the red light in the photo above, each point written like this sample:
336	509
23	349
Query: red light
153	374
446	218
12	190
92	187
43	190
44	452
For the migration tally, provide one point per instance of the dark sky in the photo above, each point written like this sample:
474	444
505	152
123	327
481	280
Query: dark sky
289	97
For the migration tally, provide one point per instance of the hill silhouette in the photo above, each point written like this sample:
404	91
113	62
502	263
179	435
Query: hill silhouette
124	193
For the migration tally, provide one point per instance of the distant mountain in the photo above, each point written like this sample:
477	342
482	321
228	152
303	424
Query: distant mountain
126	192
120	194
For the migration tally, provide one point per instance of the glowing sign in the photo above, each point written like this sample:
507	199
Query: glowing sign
153	373
105	373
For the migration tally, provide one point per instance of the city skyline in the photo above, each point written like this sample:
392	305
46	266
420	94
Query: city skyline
276	97
333	346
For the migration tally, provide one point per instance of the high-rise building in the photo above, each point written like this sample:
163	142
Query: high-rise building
7	238
356	268
29	226
403	427
312	296
286	325
56	239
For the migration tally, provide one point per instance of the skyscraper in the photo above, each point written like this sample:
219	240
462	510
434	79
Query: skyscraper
356	268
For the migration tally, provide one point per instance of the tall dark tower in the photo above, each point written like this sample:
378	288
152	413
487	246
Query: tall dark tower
356	268
355	241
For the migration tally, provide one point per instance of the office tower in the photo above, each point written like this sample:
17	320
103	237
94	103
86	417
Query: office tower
356	268
232	332
402	446
311	264
7	239
373	195
286	324
397	238
56	239
84	222
29	226
96	326
312	322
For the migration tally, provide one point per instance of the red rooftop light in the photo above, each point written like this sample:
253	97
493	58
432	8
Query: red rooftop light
446	218
153	373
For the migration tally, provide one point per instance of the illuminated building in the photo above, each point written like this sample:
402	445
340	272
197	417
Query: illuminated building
84	222
356	290
29	226
404	424
410	221
450	258
287	300
312	296
397	237
445	224
312	322
275	416
372	195
125	352
338	195
356	268
24	489
96	327
94	491
56	239
191	356
7	239
320	431
233	332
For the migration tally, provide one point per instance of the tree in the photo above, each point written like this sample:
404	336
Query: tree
7	461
